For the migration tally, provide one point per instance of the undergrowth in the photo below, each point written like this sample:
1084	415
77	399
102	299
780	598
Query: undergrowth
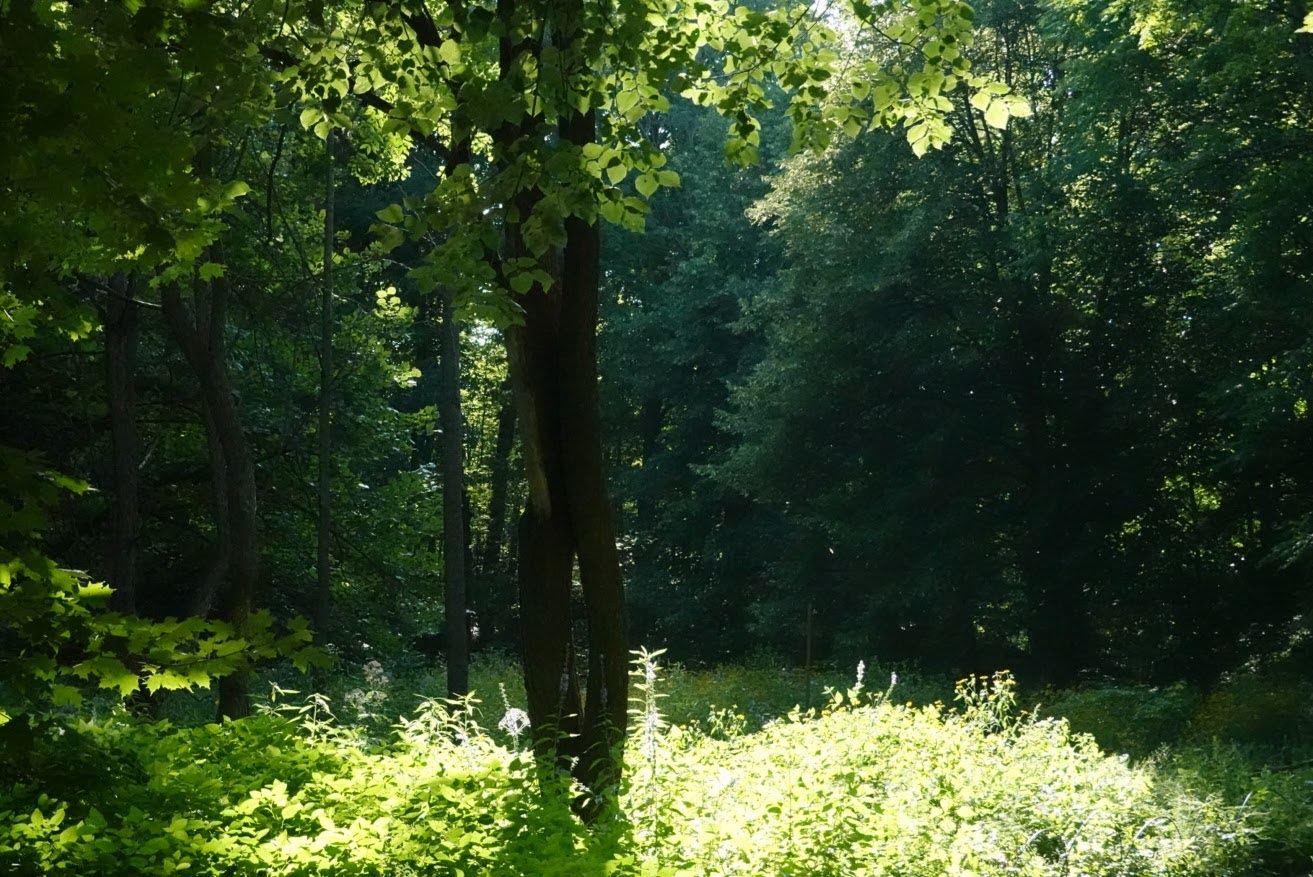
865	785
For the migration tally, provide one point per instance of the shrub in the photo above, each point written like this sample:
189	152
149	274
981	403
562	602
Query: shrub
1134	720
275	795
880	789
1259	709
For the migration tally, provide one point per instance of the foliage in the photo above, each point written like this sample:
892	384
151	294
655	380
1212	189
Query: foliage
1277	794
1259	709
54	635
1126	719
1037	400
282	795
884	789
865	787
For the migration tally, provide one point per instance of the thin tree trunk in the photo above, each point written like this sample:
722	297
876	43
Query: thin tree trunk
121	335
453	506
200	334
212	581
490	566
606	709
324	559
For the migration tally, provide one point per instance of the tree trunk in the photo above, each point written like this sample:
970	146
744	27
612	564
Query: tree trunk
121	336
212	582
606	710
453	506
553	360
1061	643
200	334
324	559
490	563
553	365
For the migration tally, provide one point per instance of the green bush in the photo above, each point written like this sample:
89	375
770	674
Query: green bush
275	795
865	787
1133	720
1277	797
757	695
882	789
1268	710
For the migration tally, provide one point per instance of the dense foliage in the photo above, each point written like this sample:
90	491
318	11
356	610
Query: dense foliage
1036	400
865	786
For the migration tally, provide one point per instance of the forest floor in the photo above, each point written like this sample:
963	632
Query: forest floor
728	773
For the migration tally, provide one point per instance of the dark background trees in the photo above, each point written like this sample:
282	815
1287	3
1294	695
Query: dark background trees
1016	403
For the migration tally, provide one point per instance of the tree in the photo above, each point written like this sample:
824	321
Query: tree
554	121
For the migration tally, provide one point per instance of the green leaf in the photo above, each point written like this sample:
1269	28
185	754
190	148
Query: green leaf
310	116
626	101
997	114
65	695
112	673
391	213
449	52
1018	106
211	271
616	172
647	185
521	282
15	354
613	211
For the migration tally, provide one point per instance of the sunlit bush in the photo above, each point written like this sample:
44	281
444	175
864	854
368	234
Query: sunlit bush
867	787
882	789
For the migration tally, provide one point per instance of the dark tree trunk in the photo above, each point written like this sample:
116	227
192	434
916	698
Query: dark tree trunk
1061	642
606	710
324	557
553	359
121	336
212	581
546	550
499	484
553	366
490	562
199	331
453	505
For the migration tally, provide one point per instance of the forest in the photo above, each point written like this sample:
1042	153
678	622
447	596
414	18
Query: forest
656	437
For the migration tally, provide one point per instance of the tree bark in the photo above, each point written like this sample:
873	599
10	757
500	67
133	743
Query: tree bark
490	569
121	335
553	361
606	710
453	506
199	331
553	366
324	557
